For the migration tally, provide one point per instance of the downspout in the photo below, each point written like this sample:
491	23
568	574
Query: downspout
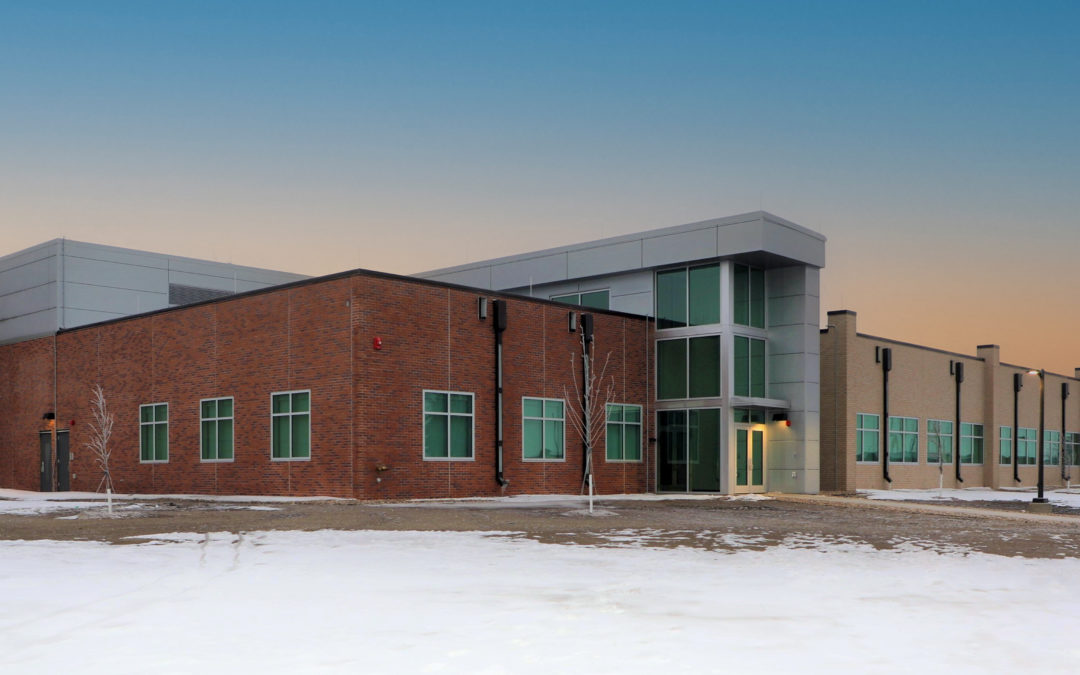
886	366
499	325
1018	384
959	371
1061	451
586	343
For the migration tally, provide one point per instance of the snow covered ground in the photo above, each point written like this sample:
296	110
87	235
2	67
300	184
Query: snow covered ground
23	502
411	602
1069	498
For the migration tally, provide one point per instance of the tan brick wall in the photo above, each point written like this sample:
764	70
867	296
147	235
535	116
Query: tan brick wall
921	386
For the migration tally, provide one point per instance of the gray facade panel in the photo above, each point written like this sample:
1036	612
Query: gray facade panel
681	247
116	275
532	271
29	272
82	317
793	310
28	325
789	243
740	238
605	259
796	339
27	301
114	301
634	303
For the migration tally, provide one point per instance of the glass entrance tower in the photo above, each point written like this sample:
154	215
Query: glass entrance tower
735	366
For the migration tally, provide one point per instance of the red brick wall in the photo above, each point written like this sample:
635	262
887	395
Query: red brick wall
366	403
26	393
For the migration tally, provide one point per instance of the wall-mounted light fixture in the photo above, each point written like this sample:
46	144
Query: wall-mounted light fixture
481	308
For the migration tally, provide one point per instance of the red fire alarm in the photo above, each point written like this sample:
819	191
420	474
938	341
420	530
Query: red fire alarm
377	343
787	423
71	423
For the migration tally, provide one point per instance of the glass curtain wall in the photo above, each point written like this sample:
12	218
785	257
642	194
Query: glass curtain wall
689	450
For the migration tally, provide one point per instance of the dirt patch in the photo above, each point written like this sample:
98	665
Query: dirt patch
717	524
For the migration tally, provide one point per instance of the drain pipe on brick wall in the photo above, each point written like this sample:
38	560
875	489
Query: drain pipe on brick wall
1061	454
499	325
958	369
886	366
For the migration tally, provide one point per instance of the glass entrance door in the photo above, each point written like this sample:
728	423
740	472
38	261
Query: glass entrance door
749	459
688	450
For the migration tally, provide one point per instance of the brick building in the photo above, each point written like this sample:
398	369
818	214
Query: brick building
371	385
359	385
898	415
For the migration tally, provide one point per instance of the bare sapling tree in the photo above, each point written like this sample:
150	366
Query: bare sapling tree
587	410
101	427
936	437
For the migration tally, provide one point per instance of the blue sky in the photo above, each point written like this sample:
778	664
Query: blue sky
934	143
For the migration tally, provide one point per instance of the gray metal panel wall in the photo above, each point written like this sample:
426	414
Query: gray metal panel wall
28	293
794	365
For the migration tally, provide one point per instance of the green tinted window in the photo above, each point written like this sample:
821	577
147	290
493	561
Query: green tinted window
1027	445
290	425
903	439
939	442
971	443
757	368
591	299
436	436
704	295
704	366
1072	448
1005	445
671	298
1052	447
543	429
448	425
757	298
154	432
216	429
623	432
749	365
595	299
748	290
867	438
671	368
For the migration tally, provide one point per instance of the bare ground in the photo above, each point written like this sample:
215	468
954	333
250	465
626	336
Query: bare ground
717	524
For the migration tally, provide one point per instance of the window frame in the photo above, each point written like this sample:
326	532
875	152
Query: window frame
951	447
751	339
217	429
543	419
623	424
472	426
686	270
875	432
750	269
1002	460
153	424
290	414
687	369
903	434
1071	446
1051	437
1027	435
561	298
981	437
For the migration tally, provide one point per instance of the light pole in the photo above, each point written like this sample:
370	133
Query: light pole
1042	430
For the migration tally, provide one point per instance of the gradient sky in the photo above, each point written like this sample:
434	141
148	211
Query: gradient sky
936	144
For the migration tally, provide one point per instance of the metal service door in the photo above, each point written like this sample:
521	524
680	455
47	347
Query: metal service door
63	462
45	440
